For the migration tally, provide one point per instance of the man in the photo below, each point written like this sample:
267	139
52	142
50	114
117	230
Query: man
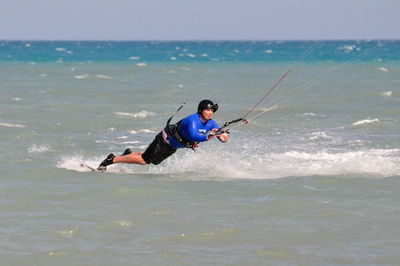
187	133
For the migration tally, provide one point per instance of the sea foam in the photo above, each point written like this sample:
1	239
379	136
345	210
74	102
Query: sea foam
39	148
74	162
230	165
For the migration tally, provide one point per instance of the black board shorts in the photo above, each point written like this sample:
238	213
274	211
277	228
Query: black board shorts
158	150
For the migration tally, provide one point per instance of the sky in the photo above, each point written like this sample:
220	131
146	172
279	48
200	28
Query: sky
199	19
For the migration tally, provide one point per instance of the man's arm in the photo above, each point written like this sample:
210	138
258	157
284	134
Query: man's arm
194	134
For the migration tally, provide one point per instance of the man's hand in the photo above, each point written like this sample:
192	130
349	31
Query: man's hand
212	134
221	135
224	136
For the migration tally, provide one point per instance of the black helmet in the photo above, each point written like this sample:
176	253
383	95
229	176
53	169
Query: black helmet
206	104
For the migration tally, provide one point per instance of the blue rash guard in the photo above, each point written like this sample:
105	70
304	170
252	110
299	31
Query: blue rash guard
192	128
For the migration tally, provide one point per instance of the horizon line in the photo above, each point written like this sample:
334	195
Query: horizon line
198	40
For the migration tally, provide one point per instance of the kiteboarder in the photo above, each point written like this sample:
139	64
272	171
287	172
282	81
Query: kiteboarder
187	133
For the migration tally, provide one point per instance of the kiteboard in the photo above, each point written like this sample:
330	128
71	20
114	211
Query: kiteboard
85	165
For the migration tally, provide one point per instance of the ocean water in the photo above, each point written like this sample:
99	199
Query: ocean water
312	179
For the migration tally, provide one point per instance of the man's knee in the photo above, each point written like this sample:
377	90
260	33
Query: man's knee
142	161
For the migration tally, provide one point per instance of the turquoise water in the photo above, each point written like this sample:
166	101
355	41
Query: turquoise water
194	51
312	179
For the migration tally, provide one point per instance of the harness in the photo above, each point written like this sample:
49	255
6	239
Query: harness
174	129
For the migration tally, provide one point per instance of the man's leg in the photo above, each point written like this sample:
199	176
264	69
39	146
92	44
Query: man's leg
134	157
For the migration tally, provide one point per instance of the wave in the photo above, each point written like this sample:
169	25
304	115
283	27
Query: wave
103	76
142	131
310	114
61	49
384	69
12	125
319	135
365	121
229	165
388	93
130	142
84	76
268	108
347	48
141	114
